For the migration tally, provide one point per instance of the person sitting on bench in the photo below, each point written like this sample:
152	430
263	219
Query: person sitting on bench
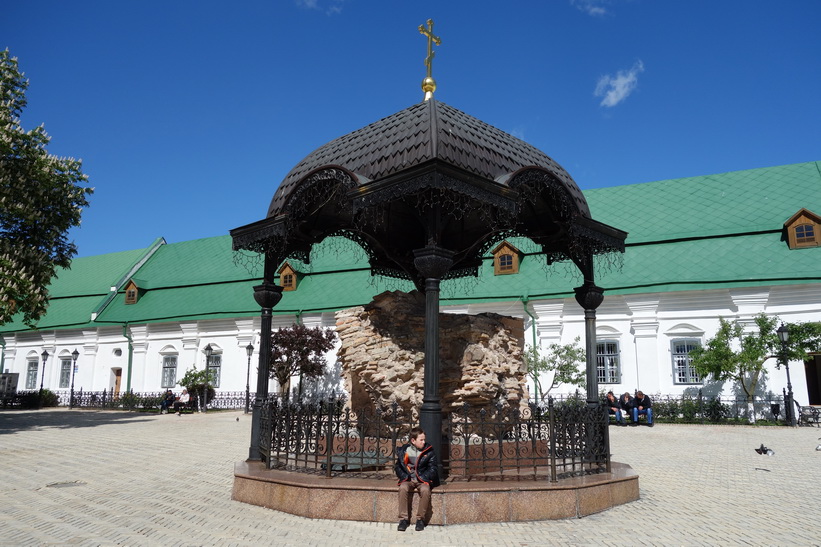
642	405
182	402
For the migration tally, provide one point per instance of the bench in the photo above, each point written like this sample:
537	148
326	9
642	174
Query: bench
187	408
809	415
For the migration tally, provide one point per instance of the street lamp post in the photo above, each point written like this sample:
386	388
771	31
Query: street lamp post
208	351
784	336
249	349
74	355
44	355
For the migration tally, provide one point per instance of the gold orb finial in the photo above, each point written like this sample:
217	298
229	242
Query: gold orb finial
428	85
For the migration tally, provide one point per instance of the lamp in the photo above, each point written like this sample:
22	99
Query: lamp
249	350
74	355
208	351
784	335
44	355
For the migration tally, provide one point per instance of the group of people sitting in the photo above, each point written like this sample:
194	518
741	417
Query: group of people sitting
169	400
630	408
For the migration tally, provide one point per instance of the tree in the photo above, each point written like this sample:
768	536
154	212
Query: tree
733	354
198	383
739	355
41	197
562	360
299	350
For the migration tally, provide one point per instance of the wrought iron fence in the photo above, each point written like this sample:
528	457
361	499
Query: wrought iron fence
700	409
489	443
131	400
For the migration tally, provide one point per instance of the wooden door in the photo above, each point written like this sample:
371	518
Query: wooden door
118	378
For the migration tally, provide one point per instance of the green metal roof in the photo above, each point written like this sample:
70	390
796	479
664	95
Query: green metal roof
76	292
729	203
684	234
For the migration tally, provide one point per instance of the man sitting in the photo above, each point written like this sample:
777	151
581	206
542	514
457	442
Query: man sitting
642	405
417	469
167	401
614	407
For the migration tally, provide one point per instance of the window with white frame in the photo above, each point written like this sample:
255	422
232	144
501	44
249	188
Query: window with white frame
31	374
683	371
169	370
215	368
65	372
607	362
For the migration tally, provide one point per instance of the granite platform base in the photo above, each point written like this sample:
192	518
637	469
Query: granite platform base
457	502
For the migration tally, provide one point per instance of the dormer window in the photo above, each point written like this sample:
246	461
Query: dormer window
805	234
132	293
288	277
803	229
506	259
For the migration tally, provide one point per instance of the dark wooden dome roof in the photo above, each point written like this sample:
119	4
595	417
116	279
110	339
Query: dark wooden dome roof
426	131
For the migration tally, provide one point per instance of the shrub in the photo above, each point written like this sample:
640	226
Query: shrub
689	410
31	399
716	411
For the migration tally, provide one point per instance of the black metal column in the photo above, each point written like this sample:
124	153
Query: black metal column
589	297
267	295
433	263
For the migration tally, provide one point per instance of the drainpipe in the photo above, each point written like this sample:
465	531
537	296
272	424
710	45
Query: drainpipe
2	353
525	300
130	356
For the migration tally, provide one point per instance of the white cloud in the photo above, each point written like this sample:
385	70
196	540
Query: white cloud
616	89
591	7
334	8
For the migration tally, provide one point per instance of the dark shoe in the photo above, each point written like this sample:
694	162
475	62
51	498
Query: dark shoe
634	424
623	424
403	525
420	525
651	424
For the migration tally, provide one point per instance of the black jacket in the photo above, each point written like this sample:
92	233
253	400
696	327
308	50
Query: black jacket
427	467
627	405
615	403
645	402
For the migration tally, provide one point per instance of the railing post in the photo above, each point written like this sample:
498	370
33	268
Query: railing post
606	437
329	449
700	406
551	420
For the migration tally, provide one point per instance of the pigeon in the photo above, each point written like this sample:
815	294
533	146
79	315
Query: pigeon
764	450
819	446
237	418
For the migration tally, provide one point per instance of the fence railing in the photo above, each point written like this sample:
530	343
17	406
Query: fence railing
489	443
701	409
126	400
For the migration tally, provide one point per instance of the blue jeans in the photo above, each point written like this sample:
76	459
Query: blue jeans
617	414
647	412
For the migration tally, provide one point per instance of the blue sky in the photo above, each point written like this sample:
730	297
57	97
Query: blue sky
188	113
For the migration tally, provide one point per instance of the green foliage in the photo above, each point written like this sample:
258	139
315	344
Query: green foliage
32	399
666	411
130	400
299	350
195	381
562	360
715	411
41	197
733	354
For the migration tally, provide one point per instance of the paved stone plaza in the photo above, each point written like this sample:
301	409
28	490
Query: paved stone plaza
117	478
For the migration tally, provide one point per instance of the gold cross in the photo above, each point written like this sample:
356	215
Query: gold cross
431	40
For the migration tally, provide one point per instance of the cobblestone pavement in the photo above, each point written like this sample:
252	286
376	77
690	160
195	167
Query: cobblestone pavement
116	478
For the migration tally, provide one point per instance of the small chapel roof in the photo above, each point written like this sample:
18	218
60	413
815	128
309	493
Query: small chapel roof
426	131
